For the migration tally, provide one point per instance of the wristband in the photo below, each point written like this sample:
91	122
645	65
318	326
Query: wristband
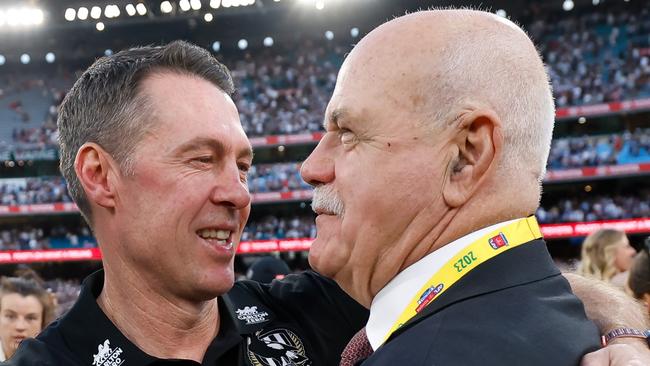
625	333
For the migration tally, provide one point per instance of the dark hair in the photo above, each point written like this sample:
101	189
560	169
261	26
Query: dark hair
107	107
639	280
27	283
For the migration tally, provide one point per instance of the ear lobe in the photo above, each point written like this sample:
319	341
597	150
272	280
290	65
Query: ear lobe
94	169
477	143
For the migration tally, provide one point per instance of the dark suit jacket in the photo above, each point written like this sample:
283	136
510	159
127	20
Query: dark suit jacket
515	309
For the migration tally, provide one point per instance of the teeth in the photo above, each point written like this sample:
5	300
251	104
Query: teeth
221	235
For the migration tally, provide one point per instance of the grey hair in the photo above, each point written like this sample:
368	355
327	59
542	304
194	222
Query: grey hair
500	68
106	105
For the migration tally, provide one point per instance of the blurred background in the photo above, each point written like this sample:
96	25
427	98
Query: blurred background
284	56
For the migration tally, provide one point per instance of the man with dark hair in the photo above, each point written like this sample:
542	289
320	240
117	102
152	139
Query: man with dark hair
157	160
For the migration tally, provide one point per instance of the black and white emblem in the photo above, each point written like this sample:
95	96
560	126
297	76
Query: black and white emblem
277	347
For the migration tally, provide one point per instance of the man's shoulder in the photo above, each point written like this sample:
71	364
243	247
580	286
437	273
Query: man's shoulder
295	288
539	322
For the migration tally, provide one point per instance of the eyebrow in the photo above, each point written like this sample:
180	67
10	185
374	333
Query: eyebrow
334	117
214	145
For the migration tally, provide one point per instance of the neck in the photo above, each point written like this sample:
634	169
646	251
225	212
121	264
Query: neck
159	324
8	351
453	224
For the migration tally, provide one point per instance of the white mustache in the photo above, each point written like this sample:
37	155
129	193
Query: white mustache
326	199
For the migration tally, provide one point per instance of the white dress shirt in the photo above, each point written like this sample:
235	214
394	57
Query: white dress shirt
390	301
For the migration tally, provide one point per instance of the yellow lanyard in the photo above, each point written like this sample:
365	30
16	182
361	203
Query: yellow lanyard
488	246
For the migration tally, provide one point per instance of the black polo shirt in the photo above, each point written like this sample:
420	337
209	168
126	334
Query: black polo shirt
303	320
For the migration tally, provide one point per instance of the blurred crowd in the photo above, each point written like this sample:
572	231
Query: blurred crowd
23	191
580	209
628	147
274	227
32	237
596	57
610	207
281	177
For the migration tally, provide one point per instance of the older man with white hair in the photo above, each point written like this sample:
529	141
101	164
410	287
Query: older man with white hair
427	179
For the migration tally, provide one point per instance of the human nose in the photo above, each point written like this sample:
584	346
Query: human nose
318	168
21	324
230	190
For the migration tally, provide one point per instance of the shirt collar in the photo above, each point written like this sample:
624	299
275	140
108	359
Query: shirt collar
89	329
391	300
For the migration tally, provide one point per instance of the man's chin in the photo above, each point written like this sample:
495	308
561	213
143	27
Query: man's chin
324	261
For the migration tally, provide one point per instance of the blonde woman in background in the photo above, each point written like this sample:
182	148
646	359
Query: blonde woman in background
26	307
639	281
607	255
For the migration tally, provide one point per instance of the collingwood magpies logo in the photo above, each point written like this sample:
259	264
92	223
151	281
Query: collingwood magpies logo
277	347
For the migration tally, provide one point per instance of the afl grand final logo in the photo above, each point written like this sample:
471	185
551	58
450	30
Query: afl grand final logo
277	347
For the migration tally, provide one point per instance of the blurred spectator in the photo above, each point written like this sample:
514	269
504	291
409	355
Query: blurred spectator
639	280
66	292
26	307
267	269
607	255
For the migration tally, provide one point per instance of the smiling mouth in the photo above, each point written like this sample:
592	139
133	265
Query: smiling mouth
218	237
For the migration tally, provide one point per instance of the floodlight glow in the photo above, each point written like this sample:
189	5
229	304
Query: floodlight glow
130	9
595	2
24	59
185	5
100	26
50	57
108	52
2	18
166	7
268	41
226	3
82	13
354	32
215	4
95	12
320	4
70	14
216	46
502	13
208	17
567	5
329	35
37	16
112	11
2	60
141	8
195	4
242	44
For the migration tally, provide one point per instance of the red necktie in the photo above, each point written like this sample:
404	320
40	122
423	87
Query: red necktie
357	349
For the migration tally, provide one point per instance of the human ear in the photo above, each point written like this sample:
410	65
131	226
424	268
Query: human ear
477	142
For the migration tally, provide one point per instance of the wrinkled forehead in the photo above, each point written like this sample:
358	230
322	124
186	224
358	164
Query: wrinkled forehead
375	81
